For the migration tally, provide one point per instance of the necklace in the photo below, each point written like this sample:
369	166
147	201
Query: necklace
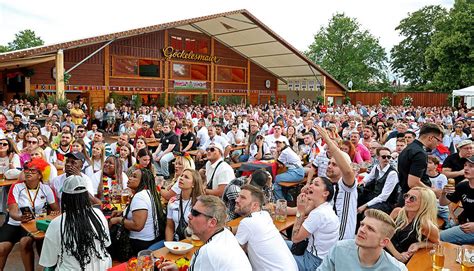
32	200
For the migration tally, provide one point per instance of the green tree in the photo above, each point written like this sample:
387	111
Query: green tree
450	57
25	39
3	49
349	53
408	57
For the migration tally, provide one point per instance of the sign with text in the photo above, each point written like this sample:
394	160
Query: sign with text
169	53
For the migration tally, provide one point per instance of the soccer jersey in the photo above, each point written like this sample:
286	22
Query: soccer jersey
345	201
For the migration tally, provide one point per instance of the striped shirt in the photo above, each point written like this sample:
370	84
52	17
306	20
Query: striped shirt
346	209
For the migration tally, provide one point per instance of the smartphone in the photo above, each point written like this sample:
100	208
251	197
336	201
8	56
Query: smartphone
27	210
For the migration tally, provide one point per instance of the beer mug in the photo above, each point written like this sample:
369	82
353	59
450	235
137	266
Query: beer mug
280	210
437	257
146	260
467	258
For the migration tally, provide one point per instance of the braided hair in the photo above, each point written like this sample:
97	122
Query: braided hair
147	181
79	241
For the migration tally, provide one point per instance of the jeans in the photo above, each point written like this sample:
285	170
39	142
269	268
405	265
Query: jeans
162	166
157	245
294	175
443	212
244	158
307	261
456	236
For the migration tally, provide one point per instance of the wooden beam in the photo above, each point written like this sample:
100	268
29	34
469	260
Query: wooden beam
248	80
213	72
106	72
167	69
60	75
324	91
27	86
26	62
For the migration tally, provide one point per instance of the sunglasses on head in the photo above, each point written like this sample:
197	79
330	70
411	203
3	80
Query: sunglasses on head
210	149
385	156
411	198
196	213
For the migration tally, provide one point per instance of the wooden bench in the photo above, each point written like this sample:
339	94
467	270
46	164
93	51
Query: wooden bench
292	188
236	165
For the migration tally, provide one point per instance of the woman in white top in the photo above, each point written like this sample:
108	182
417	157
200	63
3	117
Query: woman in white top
126	157
43	143
191	187
458	135
77	239
286	157
98	156
146	219
316	220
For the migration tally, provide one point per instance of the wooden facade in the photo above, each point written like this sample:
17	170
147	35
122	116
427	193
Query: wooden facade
103	73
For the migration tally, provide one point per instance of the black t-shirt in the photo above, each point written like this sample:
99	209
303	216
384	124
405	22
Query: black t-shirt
455	163
464	193
413	160
167	139
186	138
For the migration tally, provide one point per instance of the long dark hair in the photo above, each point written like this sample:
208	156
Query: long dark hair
147	181
80	227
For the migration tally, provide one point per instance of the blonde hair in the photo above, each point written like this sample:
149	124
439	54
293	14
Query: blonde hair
41	151
388	223
102	155
426	214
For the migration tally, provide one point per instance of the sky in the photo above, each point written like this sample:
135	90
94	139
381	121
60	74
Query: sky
296	21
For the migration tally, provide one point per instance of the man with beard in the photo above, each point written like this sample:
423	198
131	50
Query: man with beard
73	166
145	132
258	235
368	136
207	220
342	176
99	138
163	155
64	148
366	252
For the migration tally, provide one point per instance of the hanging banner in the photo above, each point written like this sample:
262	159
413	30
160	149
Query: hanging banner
188	84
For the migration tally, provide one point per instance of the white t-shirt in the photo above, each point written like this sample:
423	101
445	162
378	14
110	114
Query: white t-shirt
224	173
57	184
5	162
323	224
51	252
19	194
265	247
439	181
96	181
203	136
142	201
216	139
210	256
346	209
174	212
270	140
289	158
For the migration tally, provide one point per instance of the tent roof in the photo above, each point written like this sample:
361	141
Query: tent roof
239	30
469	91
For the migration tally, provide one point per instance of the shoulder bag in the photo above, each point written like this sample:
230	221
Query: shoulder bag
120	248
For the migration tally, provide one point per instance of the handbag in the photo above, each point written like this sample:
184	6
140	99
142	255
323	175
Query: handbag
182	225
299	248
120	248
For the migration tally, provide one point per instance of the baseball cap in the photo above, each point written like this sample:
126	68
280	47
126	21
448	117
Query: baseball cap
464	143
76	155
218	146
74	185
471	159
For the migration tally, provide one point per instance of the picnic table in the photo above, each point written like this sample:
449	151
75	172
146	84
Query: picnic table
30	227
281	226
7	182
421	260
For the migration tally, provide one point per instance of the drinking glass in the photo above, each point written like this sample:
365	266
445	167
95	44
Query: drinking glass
145	260
437	257
467	258
280	210
125	198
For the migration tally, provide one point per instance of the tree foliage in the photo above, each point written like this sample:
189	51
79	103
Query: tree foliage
450	57
408	57
349	53
23	39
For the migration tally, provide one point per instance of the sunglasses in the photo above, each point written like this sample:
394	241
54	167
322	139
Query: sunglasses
411	198
211	149
385	156
4	144
196	213
80	131
32	142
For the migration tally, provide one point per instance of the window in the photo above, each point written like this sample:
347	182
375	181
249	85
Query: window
200	46
125	66
149	68
190	71
134	67
231	74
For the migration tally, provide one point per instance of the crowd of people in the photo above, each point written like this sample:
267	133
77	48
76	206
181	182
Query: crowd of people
369	185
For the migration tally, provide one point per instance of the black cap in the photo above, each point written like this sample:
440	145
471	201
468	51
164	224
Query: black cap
471	159
76	156
146	122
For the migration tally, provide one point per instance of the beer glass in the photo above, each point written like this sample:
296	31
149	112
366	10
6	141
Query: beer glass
146	260
467	258
437	257
280	210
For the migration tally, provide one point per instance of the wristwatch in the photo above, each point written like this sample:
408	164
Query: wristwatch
298	214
